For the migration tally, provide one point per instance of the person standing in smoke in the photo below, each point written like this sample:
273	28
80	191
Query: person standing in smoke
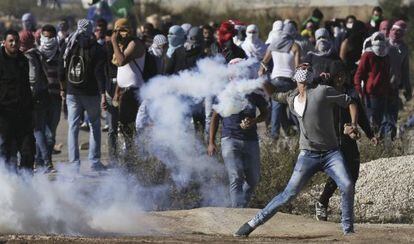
84	90
285	54
40	94
347	145
16	105
129	57
240	147
229	51
313	105
194	52
374	70
399	54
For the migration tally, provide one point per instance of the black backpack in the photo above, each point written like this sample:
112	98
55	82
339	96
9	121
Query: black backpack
78	63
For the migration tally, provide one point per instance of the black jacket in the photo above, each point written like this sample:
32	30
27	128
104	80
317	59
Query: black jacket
96	78
231	51
15	93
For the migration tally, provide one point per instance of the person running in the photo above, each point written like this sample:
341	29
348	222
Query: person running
313	105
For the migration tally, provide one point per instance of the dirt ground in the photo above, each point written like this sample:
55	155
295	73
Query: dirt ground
216	225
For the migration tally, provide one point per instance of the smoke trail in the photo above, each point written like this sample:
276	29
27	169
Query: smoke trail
169	100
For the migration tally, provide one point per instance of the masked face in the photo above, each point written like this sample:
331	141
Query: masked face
252	35
380	50
323	45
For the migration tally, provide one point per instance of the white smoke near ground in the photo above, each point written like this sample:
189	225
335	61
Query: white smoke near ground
114	202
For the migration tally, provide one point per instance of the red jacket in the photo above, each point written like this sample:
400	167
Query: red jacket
375	72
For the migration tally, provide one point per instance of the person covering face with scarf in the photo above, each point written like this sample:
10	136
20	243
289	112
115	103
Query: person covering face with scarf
176	39
285	41
225	33
157	47
194	38
379	44
123	28
324	43
82	35
48	47
253	46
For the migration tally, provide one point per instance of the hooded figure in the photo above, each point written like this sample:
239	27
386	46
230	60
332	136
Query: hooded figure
276	31
186	27
29	22
194	38
82	35
324	44
158	43
176	39
379	44
253	46
285	41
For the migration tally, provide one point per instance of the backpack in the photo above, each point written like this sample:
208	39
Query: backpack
78	65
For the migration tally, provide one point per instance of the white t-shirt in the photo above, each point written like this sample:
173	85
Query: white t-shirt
299	106
130	75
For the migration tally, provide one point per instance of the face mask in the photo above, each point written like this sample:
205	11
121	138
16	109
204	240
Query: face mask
380	50
375	18
349	25
157	51
323	45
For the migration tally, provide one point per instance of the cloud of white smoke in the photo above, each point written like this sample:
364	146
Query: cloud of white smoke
115	203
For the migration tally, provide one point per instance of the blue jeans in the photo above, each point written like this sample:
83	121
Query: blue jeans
375	111
279	115
52	120
42	157
308	163
389	123
242	161
76	105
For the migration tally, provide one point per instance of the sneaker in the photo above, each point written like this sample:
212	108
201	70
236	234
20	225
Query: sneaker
84	126
105	128
321	212
50	170
244	231
98	167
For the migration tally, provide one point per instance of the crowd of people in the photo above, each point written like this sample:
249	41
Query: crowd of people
321	82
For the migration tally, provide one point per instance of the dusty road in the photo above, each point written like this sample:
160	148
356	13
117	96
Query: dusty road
215	225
